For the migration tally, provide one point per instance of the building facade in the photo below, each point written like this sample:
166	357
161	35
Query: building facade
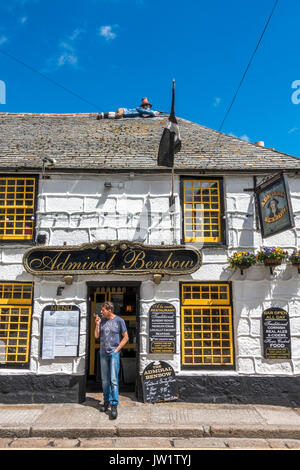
69	182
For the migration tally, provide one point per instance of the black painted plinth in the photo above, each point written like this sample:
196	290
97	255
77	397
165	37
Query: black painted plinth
42	389
283	391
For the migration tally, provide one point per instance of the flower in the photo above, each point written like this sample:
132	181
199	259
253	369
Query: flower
295	257
271	253
241	258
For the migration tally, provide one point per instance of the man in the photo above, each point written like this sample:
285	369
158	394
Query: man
144	110
113	336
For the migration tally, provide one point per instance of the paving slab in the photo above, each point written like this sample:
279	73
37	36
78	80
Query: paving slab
205	415
31	443
247	443
142	443
4	443
66	443
278	415
199	443
96	443
292	444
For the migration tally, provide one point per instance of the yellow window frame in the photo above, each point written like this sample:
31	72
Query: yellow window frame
202	210
17	207
15	322
206	326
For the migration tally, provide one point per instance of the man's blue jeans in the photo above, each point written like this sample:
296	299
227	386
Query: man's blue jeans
110	366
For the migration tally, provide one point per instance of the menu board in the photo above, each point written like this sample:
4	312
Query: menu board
162	328
276	334
60	331
159	383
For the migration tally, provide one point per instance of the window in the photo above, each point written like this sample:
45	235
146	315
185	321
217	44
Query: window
206	325
15	323
202	210
17	207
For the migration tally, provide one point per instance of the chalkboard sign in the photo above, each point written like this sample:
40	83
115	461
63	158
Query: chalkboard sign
162	328
159	383
276	334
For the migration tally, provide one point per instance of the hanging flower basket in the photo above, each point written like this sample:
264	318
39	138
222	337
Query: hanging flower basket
295	259
271	257
242	260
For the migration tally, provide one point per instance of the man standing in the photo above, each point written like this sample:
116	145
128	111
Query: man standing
113	336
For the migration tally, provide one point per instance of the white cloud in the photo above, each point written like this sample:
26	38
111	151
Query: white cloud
294	129
242	137
216	102
3	39
23	20
245	137
107	32
67	54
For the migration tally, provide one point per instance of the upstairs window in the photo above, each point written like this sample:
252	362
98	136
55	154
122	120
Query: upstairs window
17	208
202	210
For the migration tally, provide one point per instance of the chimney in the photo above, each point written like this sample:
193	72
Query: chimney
260	143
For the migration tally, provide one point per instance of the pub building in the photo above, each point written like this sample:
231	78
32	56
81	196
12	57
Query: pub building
86	217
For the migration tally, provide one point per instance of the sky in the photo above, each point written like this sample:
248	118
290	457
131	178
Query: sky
112	53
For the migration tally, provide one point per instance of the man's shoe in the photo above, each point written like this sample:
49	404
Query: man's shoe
104	407
114	412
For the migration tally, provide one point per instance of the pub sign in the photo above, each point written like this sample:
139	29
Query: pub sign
274	206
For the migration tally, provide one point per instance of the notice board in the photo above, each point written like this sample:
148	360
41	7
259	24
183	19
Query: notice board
162	328
159	383
60	331
276	334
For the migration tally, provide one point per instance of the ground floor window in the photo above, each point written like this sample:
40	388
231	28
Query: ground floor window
15	323
206	325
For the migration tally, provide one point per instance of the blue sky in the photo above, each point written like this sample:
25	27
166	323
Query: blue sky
114	52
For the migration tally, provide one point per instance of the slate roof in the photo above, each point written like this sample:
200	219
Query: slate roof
81	142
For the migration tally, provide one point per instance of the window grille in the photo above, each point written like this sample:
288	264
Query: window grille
202	211
15	322
17	206
207	338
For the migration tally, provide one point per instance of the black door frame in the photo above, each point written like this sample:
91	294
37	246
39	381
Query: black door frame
93	284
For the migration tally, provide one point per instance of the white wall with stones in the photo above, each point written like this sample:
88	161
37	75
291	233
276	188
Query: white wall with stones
78	209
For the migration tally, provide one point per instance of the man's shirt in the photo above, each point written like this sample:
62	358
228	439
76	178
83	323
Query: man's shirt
111	334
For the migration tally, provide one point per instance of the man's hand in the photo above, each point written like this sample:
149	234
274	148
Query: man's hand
97	326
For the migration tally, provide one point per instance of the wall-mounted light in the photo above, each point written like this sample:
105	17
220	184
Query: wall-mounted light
107	184
68	280
157	278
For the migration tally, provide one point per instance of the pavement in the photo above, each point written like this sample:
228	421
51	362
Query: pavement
170	424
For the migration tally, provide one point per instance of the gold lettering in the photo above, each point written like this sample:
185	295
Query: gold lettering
132	258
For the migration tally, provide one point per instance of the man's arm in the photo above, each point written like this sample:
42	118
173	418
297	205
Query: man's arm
97	326
147	111
123	342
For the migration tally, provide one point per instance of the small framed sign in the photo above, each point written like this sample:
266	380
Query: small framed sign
162	328
274	206
276	334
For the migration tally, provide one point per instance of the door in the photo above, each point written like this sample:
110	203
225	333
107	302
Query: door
124	299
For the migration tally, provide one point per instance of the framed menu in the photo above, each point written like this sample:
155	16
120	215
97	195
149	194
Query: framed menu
162	328
60	331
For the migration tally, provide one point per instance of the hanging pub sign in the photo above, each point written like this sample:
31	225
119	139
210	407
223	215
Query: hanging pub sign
276	334
112	257
159	383
274	206
162	328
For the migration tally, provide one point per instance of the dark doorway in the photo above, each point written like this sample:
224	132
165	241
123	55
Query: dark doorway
125	297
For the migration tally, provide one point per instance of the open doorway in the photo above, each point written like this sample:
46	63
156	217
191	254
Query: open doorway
125	297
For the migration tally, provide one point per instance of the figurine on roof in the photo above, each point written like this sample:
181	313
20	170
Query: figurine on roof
144	110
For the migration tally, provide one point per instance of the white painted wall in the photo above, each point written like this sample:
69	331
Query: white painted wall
76	210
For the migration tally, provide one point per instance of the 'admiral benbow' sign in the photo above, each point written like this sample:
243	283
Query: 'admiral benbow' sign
112	257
